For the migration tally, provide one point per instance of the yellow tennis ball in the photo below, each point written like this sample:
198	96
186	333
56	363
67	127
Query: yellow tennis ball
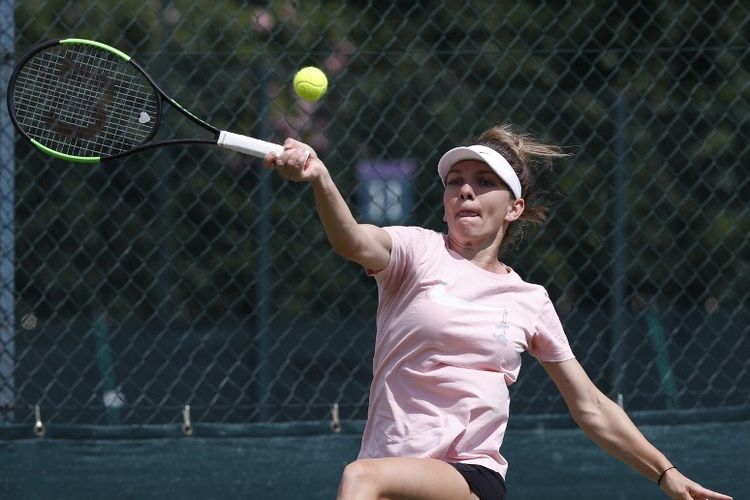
310	83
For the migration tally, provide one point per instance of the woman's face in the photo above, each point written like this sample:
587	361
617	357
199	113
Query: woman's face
478	204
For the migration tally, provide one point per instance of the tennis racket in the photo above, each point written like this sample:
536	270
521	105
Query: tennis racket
84	101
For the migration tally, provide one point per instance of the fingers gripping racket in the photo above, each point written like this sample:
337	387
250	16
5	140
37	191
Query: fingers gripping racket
84	101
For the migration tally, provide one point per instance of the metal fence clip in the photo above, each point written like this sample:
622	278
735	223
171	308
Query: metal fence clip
39	428
187	426
335	421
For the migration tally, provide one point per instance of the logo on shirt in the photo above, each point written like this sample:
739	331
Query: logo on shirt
501	329
439	295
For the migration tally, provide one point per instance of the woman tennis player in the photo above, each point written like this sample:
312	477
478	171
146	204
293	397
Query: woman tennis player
452	323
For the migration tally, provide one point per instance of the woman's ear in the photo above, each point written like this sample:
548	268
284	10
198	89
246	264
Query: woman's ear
515	210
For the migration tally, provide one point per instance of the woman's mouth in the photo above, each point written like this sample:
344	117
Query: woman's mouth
467	213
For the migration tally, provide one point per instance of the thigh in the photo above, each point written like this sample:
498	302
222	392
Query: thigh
416	479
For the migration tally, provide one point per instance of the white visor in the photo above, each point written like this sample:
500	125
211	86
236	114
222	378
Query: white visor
495	160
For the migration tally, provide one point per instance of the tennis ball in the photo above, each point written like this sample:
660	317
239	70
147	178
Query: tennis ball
310	83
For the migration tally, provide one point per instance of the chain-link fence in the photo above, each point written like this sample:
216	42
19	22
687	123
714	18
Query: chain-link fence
191	276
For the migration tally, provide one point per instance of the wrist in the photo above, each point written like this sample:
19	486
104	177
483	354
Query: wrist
323	176
664	473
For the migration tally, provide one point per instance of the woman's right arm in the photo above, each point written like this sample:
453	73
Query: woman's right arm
365	244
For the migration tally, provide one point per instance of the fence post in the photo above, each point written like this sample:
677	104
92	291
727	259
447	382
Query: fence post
7	218
618	306
263	262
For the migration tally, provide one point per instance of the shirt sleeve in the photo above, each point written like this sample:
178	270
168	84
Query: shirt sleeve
407	244
549	342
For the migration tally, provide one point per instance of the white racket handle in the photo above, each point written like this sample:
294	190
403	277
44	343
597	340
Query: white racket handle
247	145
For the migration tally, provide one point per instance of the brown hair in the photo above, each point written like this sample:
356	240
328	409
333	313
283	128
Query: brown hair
532	161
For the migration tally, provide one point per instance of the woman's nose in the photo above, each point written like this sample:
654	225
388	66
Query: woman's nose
467	192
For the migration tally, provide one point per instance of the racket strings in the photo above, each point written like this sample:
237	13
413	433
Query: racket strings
82	100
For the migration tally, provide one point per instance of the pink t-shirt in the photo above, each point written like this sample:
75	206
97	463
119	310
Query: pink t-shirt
449	342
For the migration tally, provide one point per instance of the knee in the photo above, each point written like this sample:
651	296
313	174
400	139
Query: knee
360	476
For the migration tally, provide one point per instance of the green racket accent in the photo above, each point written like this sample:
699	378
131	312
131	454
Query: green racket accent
63	156
83	101
83	41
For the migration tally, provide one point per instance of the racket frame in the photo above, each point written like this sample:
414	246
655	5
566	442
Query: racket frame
228	140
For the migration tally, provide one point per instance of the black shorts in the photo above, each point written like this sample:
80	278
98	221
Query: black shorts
483	482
